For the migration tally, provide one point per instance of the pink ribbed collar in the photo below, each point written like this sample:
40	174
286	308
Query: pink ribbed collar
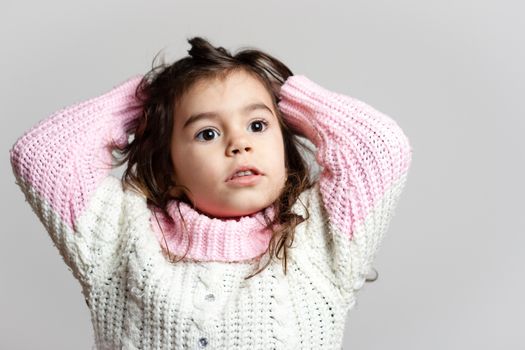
213	239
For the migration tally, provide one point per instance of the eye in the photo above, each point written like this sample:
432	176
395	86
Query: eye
207	135
259	125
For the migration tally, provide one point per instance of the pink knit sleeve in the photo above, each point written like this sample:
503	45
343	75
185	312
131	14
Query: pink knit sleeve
60	161
364	156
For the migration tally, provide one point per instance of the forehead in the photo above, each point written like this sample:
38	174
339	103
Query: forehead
235	88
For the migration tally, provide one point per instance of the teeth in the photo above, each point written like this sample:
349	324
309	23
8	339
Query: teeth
243	173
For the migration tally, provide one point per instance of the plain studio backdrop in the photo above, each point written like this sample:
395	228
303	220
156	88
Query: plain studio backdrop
450	73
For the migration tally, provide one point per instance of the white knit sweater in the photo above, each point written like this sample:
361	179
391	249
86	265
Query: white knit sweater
140	300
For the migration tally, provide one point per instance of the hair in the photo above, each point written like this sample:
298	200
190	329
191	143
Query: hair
149	170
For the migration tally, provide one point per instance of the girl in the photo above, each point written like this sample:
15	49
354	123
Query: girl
216	185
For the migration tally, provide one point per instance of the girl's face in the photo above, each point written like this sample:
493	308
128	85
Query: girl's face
220	126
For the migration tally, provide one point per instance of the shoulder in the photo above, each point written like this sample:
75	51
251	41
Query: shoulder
310	203
314	230
110	209
109	220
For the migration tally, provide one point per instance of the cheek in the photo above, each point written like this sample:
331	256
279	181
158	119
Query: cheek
197	165
184	163
277	155
280	149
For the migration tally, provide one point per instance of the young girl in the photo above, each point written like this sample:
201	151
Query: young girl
217	236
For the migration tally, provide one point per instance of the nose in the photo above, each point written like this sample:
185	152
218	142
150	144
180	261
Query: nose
238	144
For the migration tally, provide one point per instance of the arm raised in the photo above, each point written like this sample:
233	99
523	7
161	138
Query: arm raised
60	161
365	157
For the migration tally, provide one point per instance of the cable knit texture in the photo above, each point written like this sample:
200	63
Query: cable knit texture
112	242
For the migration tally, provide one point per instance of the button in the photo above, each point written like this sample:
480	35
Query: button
203	342
210	297
370	277
359	283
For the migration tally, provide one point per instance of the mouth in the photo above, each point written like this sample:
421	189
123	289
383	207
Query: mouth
244	173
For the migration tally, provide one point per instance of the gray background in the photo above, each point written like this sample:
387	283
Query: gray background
449	72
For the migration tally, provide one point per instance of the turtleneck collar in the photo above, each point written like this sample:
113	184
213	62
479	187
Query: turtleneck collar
212	239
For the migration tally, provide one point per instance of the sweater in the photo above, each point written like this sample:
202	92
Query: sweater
138	299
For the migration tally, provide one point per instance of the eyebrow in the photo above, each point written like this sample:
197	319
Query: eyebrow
213	115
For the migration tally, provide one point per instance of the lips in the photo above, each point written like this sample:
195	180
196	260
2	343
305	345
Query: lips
253	169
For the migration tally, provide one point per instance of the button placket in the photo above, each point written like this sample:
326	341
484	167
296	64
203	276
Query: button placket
209	277
207	295
200	334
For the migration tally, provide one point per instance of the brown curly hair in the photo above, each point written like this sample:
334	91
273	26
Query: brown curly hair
149	169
